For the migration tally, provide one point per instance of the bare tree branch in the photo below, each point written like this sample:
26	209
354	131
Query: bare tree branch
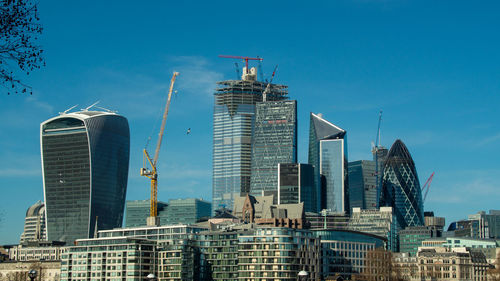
19	32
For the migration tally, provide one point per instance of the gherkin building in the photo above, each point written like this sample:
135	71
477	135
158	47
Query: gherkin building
401	188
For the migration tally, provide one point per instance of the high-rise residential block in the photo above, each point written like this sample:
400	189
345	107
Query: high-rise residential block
234	118
401	188
274	142
296	185
328	155
85	159
34	224
362	184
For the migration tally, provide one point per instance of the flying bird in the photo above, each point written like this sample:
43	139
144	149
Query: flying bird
188	131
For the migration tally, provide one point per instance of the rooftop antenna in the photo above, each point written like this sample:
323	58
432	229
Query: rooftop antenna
92	105
107	110
66	111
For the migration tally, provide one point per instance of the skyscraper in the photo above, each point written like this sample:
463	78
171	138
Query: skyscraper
85	159
274	141
401	188
328	155
234	117
362	184
296	185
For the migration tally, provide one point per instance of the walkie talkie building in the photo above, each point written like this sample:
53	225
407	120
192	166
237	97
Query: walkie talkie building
85	157
401	188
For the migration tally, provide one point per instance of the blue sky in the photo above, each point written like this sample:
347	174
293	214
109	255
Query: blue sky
431	66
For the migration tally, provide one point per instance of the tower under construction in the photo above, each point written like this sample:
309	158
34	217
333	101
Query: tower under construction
234	118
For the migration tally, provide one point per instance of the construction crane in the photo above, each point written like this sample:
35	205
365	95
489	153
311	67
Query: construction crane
246	59
153	172
268	87
427	186
375	148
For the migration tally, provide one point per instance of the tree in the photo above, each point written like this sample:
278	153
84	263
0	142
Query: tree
19	31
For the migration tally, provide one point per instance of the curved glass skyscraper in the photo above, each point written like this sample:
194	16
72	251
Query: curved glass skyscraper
85	159
401	188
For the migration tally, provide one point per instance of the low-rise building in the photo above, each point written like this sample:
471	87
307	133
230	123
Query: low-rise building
46	270
343	252
37	251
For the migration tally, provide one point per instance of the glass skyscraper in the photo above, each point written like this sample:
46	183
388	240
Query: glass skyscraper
401	188
296	185
85	159
328	155
234	117
274	141
362	184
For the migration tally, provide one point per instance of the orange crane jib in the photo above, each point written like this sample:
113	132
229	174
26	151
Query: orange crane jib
246	59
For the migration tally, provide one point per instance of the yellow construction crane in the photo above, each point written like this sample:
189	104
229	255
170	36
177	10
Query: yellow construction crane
152	173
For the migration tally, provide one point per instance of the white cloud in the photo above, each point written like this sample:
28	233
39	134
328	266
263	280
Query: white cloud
196	75
488	140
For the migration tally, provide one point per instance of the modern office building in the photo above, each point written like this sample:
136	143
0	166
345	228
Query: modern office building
187	211
379	156
411	238
362	184
344	251
34	224
328	155
296	185
380	222
85	159
137	211
234	118
401	188
488	224
274	141
436	223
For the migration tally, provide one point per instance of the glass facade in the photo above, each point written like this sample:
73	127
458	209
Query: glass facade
85	159
362	184
234	116
344	252
328	155
274	141
137	211
187	211
401	188
296	185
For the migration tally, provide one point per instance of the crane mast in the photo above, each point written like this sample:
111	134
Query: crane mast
153	172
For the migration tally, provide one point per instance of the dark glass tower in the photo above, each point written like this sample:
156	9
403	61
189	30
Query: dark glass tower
362	184
234	117
328	155
296	184
85	159
274	142
401	188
